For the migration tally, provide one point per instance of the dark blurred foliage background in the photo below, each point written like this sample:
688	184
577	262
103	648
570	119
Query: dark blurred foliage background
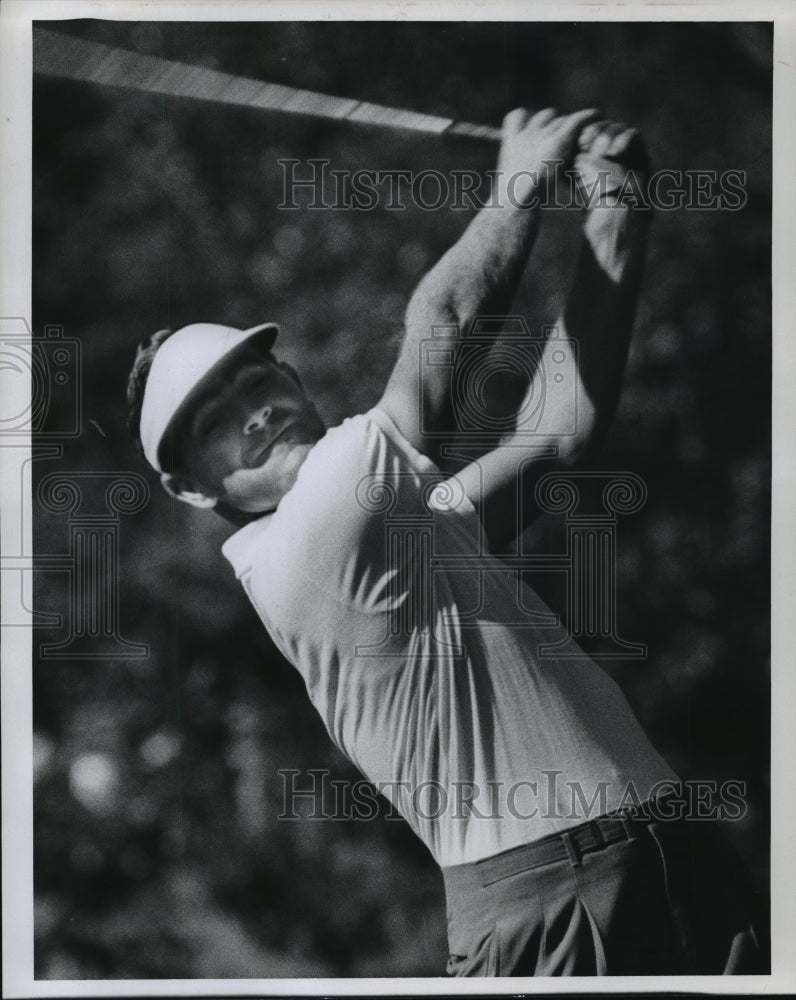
158	848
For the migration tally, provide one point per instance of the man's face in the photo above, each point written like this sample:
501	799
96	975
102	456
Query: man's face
247	432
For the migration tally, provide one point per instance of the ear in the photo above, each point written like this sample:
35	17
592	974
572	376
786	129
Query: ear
180	489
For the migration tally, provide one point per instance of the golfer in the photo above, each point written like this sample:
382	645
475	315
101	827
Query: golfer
553	818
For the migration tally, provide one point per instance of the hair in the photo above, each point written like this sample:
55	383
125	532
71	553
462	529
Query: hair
136	386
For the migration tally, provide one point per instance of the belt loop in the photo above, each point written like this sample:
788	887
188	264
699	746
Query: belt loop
599	836
627	827
572	851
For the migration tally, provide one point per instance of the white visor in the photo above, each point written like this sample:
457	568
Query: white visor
178	367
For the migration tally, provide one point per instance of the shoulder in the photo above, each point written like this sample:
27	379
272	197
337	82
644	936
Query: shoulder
359	467
328	533
325	549
357	473
376	434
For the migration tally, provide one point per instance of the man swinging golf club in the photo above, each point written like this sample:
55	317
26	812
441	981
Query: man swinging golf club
442	687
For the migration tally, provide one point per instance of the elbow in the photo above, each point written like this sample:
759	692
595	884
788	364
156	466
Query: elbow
571	451
436	303
579	446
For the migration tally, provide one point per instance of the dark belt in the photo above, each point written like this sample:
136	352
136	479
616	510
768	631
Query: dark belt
566	845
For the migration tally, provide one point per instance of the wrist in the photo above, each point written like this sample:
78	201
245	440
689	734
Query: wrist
509	212
519	190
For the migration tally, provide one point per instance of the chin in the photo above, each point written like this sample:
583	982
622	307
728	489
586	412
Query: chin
260	490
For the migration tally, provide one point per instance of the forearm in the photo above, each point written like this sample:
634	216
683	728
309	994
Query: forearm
479	274
599	315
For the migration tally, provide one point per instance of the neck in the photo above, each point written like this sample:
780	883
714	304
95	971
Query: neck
240	518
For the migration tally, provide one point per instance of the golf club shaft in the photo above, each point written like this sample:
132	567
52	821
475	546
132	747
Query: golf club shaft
66	56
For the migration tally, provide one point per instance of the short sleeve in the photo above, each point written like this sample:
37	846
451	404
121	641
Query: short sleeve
336	529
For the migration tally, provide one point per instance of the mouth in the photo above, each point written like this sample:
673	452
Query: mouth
260	456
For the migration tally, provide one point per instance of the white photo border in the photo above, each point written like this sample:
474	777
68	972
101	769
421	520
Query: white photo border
16	19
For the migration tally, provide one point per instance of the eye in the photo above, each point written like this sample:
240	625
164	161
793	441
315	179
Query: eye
209	426
249	379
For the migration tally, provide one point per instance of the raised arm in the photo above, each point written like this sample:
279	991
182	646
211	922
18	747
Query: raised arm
598	317
478	276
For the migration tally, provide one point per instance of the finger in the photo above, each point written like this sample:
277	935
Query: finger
515	120
602	141
543	117
589	133
580	119
622	140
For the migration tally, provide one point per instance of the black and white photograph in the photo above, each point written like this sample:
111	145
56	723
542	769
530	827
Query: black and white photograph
388	472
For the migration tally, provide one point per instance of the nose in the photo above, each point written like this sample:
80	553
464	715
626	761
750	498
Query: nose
256	421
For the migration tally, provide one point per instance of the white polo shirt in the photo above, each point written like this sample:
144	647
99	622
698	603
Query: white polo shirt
426	673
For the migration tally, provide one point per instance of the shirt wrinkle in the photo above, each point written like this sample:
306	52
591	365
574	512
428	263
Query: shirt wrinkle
380	666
